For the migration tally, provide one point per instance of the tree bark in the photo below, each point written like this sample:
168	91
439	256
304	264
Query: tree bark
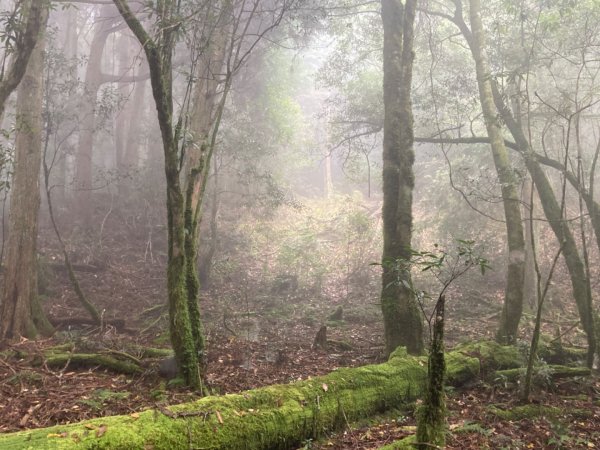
20	311
401	315
130	118
34	15
431	415
560	227
513	297
92	82
159	56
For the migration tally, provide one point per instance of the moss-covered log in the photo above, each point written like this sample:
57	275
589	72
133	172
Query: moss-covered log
59	360
274	417
553	372
533	411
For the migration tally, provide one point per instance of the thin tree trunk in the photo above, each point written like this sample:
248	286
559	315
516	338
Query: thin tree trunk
529	283
159	56
513	297
130	118
93	81
431	416
20	311
401	315
554	214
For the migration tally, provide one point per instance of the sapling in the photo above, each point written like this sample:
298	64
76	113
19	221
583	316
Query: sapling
446	268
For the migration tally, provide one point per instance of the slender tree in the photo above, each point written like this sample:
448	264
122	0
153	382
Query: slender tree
513	297
189	142
554	212
401	316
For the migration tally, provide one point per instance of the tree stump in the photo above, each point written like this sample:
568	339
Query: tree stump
321	339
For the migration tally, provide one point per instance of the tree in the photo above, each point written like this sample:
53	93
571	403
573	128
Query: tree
513	298
94	79
220	50
555	215
20	311
401	315
159	53
33	15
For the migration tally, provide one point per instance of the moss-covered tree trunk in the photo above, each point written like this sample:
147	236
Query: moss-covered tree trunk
279	416
209	99
274	417
431	416
159	55
513	297
401	315
559	225
20	311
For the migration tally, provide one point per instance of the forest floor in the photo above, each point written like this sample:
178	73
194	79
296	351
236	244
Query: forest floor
257	338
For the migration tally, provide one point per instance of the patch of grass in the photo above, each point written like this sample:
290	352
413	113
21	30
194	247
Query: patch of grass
473	427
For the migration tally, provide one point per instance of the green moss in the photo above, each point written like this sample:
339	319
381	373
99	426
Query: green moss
492	355
90	360
473	427
461	368
408	443
516	413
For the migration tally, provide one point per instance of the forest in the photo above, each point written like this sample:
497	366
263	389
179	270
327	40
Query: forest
299	224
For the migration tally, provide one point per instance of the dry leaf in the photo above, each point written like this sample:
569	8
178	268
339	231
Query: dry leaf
24	420
89	426
135	415
325	387
101	430
219	418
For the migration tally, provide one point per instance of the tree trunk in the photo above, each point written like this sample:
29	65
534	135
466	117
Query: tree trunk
560	227
206	257
93	81
20	312
431	416
129	119
401	315
273	417
68	24
513	297
159	55
33	21
529	283
205	121
279	416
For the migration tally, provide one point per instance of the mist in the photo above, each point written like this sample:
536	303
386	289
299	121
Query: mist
372	224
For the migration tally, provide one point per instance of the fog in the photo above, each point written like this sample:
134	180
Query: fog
209	197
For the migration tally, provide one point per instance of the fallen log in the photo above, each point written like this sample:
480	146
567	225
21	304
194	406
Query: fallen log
551	372
91	360
274	417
